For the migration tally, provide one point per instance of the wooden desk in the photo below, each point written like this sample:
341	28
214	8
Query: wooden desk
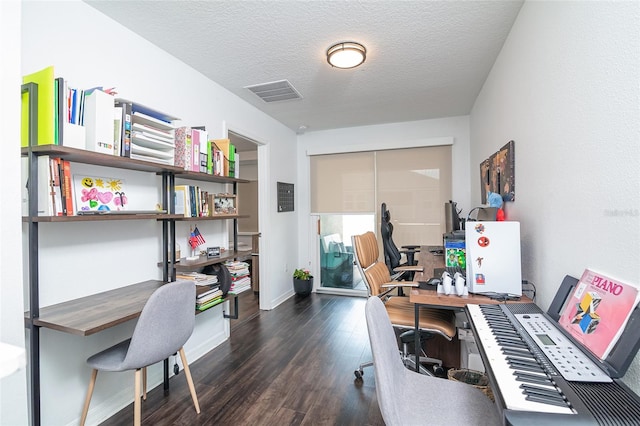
91	314
431	298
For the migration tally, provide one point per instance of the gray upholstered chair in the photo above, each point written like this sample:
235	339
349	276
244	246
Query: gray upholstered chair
165	324
409	398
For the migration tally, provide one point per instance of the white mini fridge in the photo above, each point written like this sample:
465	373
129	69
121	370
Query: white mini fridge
493	257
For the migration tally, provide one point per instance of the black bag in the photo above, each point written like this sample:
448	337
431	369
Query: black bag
223	274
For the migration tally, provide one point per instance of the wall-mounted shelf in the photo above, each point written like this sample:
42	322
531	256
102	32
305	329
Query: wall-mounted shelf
93	218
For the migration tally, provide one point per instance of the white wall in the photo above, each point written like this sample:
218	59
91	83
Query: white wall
94	50
565	89
379	137
13	389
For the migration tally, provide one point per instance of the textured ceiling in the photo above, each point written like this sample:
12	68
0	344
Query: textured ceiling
425	59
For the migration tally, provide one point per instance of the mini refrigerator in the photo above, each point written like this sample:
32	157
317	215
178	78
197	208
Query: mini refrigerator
493	257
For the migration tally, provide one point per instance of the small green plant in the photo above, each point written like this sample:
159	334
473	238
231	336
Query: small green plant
302	274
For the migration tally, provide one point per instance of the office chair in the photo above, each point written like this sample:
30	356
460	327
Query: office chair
165	324
401	311
408	398
392	255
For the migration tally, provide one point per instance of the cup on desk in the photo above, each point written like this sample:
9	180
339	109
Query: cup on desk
447	283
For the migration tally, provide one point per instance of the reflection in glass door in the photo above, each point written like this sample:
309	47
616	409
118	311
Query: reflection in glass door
338	271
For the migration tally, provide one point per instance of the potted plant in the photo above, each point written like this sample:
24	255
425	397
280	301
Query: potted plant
302	282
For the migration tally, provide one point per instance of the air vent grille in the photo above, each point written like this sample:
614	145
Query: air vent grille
275	91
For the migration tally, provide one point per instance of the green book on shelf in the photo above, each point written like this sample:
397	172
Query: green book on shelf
46	107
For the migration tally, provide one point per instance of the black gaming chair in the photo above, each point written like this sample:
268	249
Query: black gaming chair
393	256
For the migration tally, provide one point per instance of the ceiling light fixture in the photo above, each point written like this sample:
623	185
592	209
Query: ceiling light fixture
348	54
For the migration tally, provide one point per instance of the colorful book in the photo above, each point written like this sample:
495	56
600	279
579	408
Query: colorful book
66	188
598	310
180	154
46	107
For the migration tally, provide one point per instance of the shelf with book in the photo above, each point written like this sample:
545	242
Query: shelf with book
91	218
76	155
79	316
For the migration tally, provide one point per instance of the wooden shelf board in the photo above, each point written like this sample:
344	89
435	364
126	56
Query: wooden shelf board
202	261
214	217
92	218
89	157
184	174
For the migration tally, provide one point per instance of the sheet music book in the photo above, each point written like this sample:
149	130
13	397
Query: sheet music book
598	310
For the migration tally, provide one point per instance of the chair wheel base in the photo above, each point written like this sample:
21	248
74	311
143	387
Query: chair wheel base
438	371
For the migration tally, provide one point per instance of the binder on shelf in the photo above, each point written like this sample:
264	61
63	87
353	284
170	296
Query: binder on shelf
180	153
125	142
195	150
98	119
46	107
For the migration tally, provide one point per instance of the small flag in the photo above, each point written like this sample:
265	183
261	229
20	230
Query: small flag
196	238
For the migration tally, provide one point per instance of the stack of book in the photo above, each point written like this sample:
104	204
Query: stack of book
209	298
199	278
240	276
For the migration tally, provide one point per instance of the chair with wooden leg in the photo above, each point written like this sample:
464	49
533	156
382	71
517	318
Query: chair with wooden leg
165	324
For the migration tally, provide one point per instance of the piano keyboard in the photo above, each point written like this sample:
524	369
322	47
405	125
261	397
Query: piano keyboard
524	383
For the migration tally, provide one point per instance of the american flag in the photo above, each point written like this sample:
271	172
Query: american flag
196	238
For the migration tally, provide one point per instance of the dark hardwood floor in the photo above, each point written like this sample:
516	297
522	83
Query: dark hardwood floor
292	365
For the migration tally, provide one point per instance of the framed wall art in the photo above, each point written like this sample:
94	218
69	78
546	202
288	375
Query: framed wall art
497	174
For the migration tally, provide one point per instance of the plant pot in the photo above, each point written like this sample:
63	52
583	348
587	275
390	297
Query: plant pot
303	287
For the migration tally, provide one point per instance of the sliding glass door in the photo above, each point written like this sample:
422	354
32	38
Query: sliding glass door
346	193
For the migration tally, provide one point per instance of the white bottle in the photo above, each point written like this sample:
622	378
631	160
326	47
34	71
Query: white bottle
447	283
459	283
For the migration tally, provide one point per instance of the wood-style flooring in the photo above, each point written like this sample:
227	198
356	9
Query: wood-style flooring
292	365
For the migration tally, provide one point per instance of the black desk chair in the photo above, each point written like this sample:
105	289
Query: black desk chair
393	256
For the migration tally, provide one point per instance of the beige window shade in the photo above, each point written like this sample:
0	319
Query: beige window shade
415	183
343	183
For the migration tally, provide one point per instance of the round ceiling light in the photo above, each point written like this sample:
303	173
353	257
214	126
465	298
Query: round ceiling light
346	55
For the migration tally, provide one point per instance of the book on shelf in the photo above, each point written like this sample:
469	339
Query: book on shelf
67	192
598	310
46	107
125	133
99	121
209	304
195	150
117	130
198	277
49	196
182	134
209	157
226	157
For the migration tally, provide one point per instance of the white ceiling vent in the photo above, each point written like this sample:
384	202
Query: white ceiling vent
275	91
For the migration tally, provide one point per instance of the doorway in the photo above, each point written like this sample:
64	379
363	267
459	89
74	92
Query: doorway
246	167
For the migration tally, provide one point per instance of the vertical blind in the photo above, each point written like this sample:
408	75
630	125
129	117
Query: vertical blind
414	183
